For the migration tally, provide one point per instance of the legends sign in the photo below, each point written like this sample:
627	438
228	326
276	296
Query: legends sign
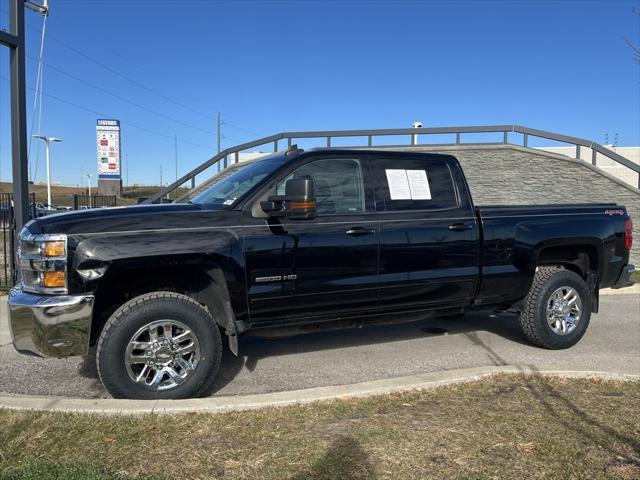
108	148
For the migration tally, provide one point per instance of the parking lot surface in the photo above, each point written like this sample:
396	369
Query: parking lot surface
342	357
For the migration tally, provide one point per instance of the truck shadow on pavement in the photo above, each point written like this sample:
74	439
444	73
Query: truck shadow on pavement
255	348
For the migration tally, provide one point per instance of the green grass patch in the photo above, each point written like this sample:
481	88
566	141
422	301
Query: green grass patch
45	471
505	427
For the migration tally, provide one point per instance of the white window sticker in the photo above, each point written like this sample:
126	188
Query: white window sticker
398	184
419	185
408	184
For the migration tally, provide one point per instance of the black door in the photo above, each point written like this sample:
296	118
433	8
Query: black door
428	233
318	267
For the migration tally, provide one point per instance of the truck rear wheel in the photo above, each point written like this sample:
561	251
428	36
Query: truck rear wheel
557	309
160	345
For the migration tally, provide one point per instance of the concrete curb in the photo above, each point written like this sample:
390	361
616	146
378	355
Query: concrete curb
281	399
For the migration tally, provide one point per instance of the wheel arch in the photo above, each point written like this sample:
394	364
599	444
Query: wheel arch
204	281
582	258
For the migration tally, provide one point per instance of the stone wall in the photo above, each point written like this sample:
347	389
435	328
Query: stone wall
512	175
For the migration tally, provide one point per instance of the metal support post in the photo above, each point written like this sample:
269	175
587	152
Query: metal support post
18	116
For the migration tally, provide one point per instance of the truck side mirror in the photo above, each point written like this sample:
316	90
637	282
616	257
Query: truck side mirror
298	201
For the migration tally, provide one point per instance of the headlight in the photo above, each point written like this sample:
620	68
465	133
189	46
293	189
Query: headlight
43	262
54	248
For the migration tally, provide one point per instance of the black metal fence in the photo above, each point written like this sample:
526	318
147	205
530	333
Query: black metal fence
6	250
7	237
81	202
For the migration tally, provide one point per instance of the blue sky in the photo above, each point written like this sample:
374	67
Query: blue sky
275	66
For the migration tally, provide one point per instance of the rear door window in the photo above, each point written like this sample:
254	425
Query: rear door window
414	184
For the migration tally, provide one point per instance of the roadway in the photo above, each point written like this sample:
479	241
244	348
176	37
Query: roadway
343	357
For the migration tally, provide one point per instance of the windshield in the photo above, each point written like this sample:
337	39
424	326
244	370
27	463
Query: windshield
229	189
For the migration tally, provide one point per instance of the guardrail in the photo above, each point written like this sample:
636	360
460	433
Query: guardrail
222	158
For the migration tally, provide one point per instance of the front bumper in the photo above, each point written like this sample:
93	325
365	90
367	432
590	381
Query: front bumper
50	326
628	277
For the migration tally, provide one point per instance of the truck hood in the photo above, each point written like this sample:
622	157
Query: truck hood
133	218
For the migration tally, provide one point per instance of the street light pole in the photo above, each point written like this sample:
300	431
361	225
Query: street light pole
88	175
47	141
48	157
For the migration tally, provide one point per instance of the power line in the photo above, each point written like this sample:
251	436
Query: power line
121	75
135	82
37	101
121	98
242	129
101	114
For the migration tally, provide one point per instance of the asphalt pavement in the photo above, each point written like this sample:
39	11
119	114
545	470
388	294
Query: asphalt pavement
343	357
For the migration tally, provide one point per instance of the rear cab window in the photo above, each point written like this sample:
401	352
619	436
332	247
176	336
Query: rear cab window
414	184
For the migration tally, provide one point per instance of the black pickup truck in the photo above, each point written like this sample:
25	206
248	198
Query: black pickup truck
297	241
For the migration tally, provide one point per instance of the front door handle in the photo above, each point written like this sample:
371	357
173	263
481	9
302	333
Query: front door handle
359	231
460	227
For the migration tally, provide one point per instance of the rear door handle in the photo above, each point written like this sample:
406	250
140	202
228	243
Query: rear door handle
359	231
460	227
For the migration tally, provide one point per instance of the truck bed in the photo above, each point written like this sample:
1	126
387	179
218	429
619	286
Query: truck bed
515	235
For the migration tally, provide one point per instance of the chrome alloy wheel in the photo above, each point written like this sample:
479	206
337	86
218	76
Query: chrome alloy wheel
162	355
563	310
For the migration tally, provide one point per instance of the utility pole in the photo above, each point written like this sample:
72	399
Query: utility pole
126	157
219	124
175	149
160	175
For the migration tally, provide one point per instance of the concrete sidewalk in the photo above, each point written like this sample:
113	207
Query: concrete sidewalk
282	399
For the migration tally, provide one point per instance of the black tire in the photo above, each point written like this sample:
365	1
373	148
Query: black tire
533	318
137	313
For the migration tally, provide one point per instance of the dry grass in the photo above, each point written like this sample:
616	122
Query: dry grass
505	427
61	195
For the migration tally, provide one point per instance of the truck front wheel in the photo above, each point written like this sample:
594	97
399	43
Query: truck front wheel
160	345
557	309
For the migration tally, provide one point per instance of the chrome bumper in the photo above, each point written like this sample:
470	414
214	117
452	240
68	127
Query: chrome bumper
628	277
50	326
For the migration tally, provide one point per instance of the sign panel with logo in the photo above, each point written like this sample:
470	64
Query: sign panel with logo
108	148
